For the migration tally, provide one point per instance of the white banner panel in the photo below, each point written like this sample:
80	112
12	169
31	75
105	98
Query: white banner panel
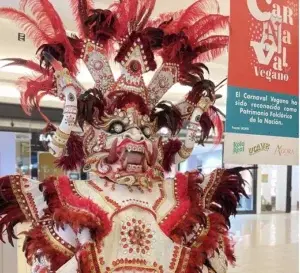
258	149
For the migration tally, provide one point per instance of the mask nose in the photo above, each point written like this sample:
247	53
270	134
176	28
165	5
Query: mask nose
135	134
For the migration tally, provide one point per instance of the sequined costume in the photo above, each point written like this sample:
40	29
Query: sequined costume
128	216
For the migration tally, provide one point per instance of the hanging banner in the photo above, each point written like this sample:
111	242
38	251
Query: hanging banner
262	123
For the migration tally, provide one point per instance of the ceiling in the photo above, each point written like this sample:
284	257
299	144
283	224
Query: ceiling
11	47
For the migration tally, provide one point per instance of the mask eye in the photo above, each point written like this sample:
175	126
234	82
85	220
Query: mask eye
116	128
146	131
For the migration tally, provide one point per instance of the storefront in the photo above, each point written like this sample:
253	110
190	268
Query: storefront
24	144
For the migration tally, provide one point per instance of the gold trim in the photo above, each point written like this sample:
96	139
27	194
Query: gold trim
61	134
55	244
185	152
57	144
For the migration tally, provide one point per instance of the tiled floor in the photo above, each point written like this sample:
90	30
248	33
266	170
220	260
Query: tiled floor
266	243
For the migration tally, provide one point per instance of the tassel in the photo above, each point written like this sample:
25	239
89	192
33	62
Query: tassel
50	127
74	157
101	25
50	195
170	149
89	103
165	114
10	211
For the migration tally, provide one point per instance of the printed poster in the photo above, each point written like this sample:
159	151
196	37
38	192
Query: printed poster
46	166
262	123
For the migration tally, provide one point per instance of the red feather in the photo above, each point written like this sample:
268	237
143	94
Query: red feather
74	157
170	149
123	100
45	15
27	24
206	26
10	211
132	15
81	10
50	22
218	124
192	14
164	19
211	48
25	63
144	13
83	213
33	90
40	14
50	195
37	242
227	195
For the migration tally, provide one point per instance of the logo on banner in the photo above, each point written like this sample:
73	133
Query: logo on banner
282	151
262	147
238	147
45	138
271	38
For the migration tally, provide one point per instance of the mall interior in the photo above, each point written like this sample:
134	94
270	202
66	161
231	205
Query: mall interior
266	227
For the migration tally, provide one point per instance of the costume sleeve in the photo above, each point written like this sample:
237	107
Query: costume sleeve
213	199
20	201
221	190
68	89
48	247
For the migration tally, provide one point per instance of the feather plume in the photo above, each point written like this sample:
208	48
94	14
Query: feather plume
33	90
144	13
50	195
217	124
200	89
45	15
211	48
193	73
10	211
101	25
192	14
164	19
170	149
74	155
24	63
50	22
206	125
37	242
80	9
167	115
132	15
90	103
205	27
227	195
27	24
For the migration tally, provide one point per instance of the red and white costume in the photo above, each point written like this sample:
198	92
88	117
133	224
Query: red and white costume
127	217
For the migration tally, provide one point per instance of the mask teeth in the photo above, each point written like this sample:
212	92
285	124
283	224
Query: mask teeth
145	165
133	168
124	164
148	157
135	148
154	154
113	157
